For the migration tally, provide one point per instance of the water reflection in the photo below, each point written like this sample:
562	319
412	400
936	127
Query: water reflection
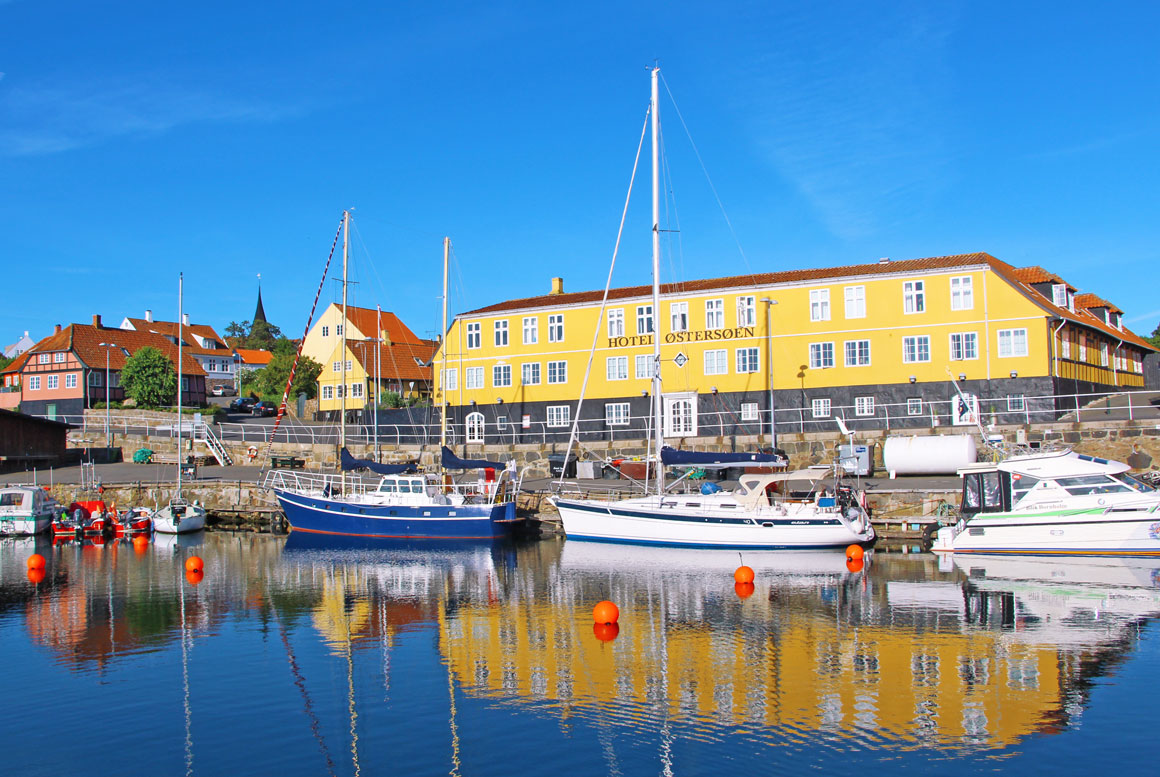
973	655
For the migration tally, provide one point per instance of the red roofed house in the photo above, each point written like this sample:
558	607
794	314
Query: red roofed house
250	359
80	365
201	342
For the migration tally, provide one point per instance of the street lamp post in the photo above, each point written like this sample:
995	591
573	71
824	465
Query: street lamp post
769	303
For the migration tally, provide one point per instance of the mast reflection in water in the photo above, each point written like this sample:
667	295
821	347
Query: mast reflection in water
313	656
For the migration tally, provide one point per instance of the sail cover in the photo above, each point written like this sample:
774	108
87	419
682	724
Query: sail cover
674	457
451	461
349	462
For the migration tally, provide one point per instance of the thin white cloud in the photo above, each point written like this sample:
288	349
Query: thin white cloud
1151	315
855	120
45	119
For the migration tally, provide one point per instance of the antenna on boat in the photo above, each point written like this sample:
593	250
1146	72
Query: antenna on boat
657	389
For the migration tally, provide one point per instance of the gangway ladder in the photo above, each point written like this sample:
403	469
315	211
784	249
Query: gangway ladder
206	434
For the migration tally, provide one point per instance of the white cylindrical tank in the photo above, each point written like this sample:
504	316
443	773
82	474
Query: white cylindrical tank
930	455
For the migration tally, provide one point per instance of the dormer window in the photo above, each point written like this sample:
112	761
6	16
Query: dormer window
1071	301
1059	294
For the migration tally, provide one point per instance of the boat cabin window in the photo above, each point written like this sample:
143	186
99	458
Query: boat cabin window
1132	483
388	486
410	486
1020	485
1092	484
983	492
11	499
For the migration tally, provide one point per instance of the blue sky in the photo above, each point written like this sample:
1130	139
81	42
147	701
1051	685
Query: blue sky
224	140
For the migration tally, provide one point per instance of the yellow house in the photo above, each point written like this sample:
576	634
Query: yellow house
877	341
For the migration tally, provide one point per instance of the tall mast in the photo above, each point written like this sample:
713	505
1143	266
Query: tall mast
443	377
180	282
656	272
342	353
378	371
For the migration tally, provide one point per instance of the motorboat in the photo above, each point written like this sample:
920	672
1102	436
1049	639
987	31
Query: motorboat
179	517
26	510
1054	502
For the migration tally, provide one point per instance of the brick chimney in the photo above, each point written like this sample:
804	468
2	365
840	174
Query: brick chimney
56	330
557	286
97	320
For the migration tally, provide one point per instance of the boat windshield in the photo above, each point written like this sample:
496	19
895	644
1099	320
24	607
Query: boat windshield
1132	483
11	499
1092	484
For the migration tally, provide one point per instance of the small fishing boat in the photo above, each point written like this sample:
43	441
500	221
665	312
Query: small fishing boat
135	520
26	510
1056	502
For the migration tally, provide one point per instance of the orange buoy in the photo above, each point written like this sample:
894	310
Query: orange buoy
743	590
855	564
36	561
743	574
194	576
605	632
36	574
140	543
194	563
855	552
605	612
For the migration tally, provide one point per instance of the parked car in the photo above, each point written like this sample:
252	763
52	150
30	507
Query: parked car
243	404
264	409
224	390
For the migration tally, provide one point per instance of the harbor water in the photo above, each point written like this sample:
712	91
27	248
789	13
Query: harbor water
314	656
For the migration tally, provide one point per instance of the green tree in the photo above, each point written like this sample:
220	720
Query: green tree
5	361
270	381
236	331
149	378
1155	338
263	335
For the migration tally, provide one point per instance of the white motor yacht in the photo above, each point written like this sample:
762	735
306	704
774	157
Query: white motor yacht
26	510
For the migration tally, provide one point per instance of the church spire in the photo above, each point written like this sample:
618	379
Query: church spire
260	312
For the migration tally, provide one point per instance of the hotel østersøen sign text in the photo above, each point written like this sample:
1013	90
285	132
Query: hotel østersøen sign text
699	336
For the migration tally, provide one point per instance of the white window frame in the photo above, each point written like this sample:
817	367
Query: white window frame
864	406
714	314
853	358
472	378
962	292
327	391
474	335
958	351
450	379
677	421
616	368
500	328
559	415
555	327
473	427
747	311
819	304
1011	344
616	414
559	371
820	408
644	320
748	360
34	383
42	358
326	331
616	322
1059	294
530	373
501	423
1016	403
95	379
1103	354
913	353
914	406
356	390
818	355
58	357
716	361
501	376
643	366
531	330
679	317
855	301
749	411
913	297
70	380
53	383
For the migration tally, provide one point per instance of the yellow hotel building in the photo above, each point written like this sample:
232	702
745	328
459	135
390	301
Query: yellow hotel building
877	341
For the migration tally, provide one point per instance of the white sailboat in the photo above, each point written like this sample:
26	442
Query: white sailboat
770	511
179	516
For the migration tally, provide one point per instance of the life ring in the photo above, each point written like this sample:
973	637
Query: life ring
252	452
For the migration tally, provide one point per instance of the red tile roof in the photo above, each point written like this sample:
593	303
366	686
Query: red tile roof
17	363
85	341
1021	278
397	360
204	331
254	356
1089	300
366	321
